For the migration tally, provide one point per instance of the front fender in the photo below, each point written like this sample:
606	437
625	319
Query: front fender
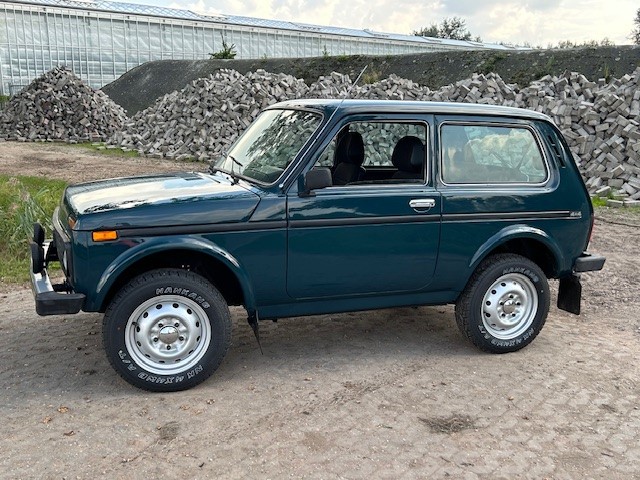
514	232
157	245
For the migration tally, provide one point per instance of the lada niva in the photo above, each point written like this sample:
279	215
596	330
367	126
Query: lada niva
326	206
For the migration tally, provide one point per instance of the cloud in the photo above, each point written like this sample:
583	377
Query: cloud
538	22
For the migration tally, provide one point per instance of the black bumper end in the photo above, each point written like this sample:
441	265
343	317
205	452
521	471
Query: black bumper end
588	263
55	303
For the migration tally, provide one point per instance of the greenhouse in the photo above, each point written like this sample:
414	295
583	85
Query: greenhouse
101	40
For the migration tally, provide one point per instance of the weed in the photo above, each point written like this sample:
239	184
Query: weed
23	201
598	201
490	64
606	73
227	52
371	76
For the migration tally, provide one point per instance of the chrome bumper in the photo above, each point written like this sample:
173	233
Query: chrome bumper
50	299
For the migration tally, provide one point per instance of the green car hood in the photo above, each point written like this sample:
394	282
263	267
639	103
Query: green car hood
176	199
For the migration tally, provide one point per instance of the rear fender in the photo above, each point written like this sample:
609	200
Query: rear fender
514	232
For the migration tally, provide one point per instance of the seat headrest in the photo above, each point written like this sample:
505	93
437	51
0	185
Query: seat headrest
350	149
408	154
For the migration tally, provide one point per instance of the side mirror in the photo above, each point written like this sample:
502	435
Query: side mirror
317	178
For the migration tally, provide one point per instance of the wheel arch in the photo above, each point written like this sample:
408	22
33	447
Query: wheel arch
197	255
530	242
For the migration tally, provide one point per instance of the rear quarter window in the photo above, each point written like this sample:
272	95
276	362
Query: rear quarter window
490	154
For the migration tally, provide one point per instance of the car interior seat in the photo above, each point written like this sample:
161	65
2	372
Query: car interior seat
348	159
408	157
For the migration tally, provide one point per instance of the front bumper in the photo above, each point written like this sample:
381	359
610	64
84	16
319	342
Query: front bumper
50	299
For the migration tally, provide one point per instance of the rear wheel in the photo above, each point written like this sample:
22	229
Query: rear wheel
167	330
505	304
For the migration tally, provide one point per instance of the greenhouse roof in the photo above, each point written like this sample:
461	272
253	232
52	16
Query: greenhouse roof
137	9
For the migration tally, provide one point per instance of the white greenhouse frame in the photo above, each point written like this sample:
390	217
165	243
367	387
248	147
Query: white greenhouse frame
101	40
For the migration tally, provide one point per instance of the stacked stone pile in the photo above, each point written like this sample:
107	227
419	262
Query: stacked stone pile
394	88
487	89
600	120
206	117
60	106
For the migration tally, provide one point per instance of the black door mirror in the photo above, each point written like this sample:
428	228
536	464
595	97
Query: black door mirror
317	178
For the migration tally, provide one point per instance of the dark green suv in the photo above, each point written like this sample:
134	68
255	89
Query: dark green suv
326	206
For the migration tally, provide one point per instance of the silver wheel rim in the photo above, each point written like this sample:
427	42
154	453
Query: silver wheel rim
509	306
168	334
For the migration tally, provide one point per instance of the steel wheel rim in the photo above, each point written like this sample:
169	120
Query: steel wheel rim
168	334
509	306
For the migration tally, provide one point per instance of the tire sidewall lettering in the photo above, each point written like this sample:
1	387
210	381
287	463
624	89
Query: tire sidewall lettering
133	369
470	304
524	271
506	343
169	379
183	292
154	377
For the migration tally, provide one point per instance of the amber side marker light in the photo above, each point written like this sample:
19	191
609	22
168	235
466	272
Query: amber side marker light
104	236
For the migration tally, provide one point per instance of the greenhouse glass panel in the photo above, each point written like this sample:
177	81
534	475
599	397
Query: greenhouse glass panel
83	35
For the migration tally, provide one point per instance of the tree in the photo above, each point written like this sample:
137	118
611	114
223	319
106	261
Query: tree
454	28
567	44
635	34
430	31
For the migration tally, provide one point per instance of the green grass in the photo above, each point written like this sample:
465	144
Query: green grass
23	200
96	147
599	201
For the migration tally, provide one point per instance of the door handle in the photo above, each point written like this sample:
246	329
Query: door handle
421	204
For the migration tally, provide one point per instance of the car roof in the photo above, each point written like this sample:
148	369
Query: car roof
401	106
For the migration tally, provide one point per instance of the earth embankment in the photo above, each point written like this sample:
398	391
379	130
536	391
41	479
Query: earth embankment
138	88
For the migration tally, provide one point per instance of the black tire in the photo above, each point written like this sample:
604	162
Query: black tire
504	305
166	330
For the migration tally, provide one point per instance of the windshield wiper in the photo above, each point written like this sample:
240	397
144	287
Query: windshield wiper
233	174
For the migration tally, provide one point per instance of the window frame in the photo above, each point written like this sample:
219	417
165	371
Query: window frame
294	161
401	182
470	123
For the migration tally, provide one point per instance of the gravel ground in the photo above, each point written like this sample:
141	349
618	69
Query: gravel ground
393	394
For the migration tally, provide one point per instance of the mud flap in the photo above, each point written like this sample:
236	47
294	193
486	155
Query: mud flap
570	294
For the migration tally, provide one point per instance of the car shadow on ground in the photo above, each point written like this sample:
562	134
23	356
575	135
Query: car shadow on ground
65	354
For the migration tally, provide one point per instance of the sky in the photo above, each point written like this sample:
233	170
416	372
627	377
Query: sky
536	22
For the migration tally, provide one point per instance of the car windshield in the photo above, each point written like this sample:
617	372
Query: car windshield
270	144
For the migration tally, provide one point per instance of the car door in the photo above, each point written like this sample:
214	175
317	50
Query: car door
493	174
373	236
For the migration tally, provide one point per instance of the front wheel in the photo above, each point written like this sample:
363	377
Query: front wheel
167	330
505	304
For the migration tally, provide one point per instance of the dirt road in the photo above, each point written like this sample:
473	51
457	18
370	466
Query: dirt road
389	394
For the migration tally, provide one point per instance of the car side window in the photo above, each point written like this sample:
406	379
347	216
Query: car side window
377	152
490	154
